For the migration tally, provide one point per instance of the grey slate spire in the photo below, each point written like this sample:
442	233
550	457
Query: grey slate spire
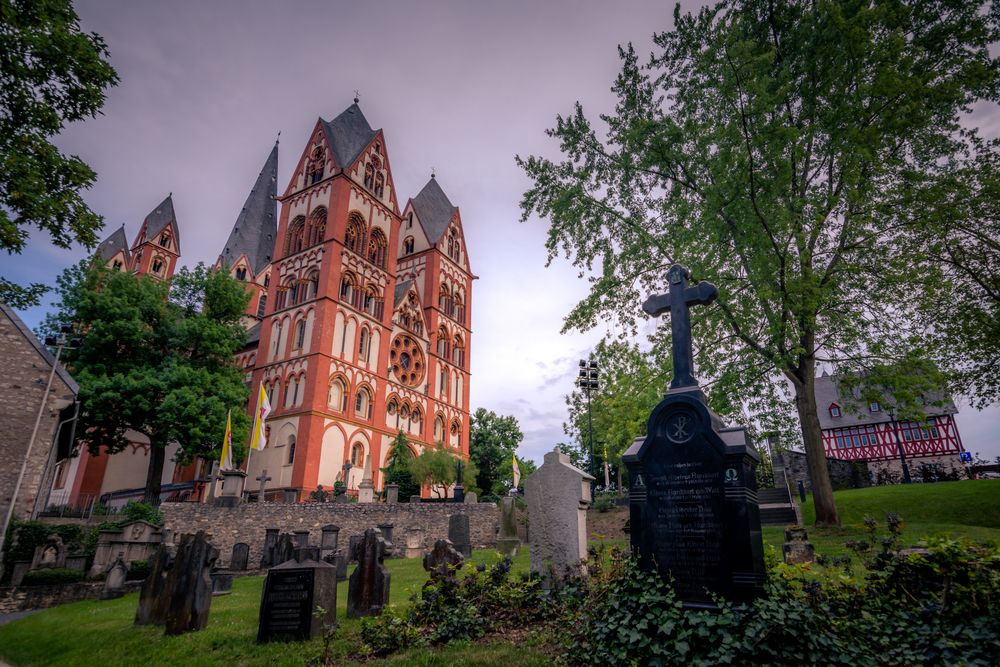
256	226
434	210
159	219
348	134
114	244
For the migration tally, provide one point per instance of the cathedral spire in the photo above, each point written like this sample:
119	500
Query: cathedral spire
255	228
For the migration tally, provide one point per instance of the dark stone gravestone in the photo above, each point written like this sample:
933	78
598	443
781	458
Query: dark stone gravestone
693	491
458	533
239	561
292	593
386	530
291	496
352	547
301	538
329	537
114	580
443	561
78	563
368	590
284	549
342	499
307	552
190	584
414	499
154	597
270	539
222	582
20	569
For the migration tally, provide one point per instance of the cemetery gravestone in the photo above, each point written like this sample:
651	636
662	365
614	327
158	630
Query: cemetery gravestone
153	596
232	488
114	580
240	558
352	547
414	542
270	540
391	494
20	569
189	584
471	498
301	538
368	590
328	540
458	533
284	549
293	593
693	494
443	561
507	541
51	554
797	548
222	582
386	530
558	496
262	481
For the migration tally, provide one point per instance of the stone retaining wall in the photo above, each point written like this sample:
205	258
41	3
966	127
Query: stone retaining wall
24	598
247	522
843	474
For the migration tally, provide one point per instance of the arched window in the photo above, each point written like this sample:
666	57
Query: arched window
295	237
404	417
291	449
376	248
281	299
117	265
241	273
294	292
443	343
337	396
276	337
363	341
317	226
443	382
415	419
157	266
369	176
165	240
379	185
456	434
459	308
261	305
458	353
300	334
358	455
313	281
347	287
439	429
363	403
408	245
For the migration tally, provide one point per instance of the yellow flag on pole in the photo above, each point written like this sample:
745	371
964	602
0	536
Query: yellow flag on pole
226	460
258	440
517	472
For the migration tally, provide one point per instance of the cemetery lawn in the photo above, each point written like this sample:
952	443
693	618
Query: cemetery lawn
967	509
101	633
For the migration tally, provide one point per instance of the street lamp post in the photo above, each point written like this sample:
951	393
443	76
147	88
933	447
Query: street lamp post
588	381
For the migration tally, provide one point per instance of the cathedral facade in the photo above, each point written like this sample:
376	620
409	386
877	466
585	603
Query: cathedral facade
359	317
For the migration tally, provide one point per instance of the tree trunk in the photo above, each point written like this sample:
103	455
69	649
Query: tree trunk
819	475
157	456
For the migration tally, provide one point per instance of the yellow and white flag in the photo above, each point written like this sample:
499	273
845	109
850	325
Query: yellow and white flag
517	472
258	439
226	460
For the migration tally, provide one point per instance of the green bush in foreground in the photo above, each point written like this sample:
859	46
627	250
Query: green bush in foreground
52	575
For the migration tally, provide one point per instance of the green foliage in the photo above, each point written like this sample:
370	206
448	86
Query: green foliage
398	469
605	502
434	467
493	440
157	359
24	536
53	73
137	570
137	511
387	633
52	576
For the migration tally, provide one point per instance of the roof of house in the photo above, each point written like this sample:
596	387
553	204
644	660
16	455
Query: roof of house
434	210
43	351
256	226
828	393
114	244
159	219
347	135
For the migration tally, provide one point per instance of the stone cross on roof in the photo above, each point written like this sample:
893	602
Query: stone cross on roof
678	301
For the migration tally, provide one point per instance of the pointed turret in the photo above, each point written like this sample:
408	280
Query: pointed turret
114	250
157	247
253	234
434	210
347	135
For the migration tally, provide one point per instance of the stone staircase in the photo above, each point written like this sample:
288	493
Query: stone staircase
776	507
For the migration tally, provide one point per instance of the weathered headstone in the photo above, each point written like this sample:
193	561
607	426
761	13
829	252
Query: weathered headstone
328	540
270	540
368	590
241	556
391	494
114	580
458	495
414	499
283	550
508	542
414	542
693	493
291	496
458	533
386	530
190	585
51	554
262	480
154	598
222	582
471	498
443	561
342	499
366	489
352	547
17	573
301	538
78	563
558	496
293	593
797	548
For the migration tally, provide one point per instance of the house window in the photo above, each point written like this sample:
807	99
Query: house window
834	410
291	449
874	407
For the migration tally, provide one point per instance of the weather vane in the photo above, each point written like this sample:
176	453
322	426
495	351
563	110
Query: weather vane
357	96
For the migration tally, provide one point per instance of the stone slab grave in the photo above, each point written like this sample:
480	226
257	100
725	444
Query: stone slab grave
443	561
189	585
368	589
239	560
154	598
386	530
458	533
797	547
414	543
508	542
471	498
136	540
391	494
114	580
693	492
51	554
558	496
293	593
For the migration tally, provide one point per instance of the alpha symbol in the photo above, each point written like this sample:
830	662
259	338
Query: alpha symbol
638	480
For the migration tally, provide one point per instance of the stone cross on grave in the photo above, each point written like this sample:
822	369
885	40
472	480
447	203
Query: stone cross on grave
263	479
678	301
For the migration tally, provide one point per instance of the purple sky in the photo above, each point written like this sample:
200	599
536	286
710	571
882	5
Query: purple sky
459	87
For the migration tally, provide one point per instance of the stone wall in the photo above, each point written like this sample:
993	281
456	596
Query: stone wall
247	522
23	598
843	474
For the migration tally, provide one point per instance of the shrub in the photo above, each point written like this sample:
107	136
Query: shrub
137	570
387	633
24	536
134	511
52	576
605	502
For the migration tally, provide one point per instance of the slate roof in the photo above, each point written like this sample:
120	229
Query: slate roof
347	135
114	244
43	351
253	335
159	219
434	210
402	289
256	226
827	393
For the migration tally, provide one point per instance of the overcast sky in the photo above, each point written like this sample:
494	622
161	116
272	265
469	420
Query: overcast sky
460	87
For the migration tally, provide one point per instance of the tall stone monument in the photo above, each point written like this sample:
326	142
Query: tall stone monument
366	489
189	585
508	542
693	491
368	589
558	496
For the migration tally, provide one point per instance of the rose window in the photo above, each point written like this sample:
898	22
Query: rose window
407	361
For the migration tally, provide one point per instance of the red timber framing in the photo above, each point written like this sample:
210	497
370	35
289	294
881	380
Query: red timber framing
877	442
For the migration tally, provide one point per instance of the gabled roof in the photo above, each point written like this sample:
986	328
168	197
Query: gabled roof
256	226
43	351
159	219
113	245
253	335
347	135
828	393
401	291
434	210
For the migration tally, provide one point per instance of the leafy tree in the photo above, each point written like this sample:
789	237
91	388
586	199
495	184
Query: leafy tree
398	469
505	481
492	442
51	73
434	467
781	149
156	359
